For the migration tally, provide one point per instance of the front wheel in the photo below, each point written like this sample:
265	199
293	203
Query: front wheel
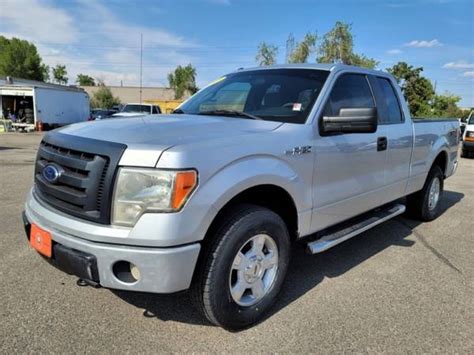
243	268
424	204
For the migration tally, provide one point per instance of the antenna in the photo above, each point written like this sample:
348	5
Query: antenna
141	65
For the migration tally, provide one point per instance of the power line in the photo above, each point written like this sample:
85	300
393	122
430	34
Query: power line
156	47
161	65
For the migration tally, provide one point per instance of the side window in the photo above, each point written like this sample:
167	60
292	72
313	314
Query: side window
394	114
350	91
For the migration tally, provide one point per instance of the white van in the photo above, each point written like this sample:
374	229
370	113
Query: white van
29	103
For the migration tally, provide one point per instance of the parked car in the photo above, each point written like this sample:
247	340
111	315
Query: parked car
468	137
100	113
211	198
135	110
118	107
462	125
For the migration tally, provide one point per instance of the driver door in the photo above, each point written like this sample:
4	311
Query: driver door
349	168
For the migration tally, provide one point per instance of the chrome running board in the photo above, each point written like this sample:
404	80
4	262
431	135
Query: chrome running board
332	237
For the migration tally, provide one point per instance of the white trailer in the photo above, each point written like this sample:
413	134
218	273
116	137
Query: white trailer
31	104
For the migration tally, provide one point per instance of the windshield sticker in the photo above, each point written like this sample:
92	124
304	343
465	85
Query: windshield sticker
296	106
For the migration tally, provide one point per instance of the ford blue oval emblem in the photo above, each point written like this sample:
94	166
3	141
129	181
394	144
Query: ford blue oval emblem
51	173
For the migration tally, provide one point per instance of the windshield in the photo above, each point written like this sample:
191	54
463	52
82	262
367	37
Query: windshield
136	108
283	95
471	120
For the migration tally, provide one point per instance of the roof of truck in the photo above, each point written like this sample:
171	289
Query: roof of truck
318	66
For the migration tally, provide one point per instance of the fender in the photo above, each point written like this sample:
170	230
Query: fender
251	171
441	145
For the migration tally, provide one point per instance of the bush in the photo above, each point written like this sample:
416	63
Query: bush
103	98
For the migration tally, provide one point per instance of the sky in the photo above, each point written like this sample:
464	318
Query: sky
101	38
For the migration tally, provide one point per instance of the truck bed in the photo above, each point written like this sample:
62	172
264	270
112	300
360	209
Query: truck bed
426	120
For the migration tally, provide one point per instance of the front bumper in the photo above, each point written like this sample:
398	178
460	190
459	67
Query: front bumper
162	270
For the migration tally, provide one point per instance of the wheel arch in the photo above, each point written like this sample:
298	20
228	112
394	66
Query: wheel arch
271	196
441	160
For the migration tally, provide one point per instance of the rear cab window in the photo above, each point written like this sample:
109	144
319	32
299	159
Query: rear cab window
388	104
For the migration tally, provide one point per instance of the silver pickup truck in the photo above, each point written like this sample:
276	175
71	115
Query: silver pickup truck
211	197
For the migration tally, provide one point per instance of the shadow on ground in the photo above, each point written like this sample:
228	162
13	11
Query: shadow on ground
305	272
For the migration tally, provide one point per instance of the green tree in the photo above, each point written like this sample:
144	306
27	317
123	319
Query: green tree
417	90
46	75
20	59
60	74
183	81
446	106
361	60
302	50
103	97
338	47
85	80
266	54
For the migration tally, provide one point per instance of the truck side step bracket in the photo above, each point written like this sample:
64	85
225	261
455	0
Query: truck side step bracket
331	237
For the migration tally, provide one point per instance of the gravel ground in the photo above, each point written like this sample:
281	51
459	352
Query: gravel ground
401	287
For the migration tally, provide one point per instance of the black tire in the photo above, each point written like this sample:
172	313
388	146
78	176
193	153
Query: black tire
463	154
418	204
211	286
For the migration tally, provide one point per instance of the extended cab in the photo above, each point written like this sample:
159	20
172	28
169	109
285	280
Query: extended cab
211	197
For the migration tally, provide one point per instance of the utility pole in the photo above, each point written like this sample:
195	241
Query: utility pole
141	65
290	47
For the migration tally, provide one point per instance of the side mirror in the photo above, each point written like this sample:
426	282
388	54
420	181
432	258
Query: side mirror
351	120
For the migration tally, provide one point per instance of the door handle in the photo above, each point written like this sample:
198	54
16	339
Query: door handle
381	143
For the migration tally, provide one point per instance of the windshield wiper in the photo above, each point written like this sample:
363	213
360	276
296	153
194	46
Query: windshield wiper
230	113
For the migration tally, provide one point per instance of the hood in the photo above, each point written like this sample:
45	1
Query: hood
154	134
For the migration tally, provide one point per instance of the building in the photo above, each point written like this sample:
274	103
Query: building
132	93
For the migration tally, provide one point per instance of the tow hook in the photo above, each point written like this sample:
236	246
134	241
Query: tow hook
84	283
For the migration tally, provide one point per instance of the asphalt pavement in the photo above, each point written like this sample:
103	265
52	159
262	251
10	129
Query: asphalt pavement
401	287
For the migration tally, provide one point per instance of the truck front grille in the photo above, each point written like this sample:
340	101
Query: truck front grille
84	186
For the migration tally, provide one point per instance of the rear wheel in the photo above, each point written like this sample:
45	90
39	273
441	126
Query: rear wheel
424	204
243	267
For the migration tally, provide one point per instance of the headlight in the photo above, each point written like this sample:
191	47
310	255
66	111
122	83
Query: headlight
143	190
470	134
